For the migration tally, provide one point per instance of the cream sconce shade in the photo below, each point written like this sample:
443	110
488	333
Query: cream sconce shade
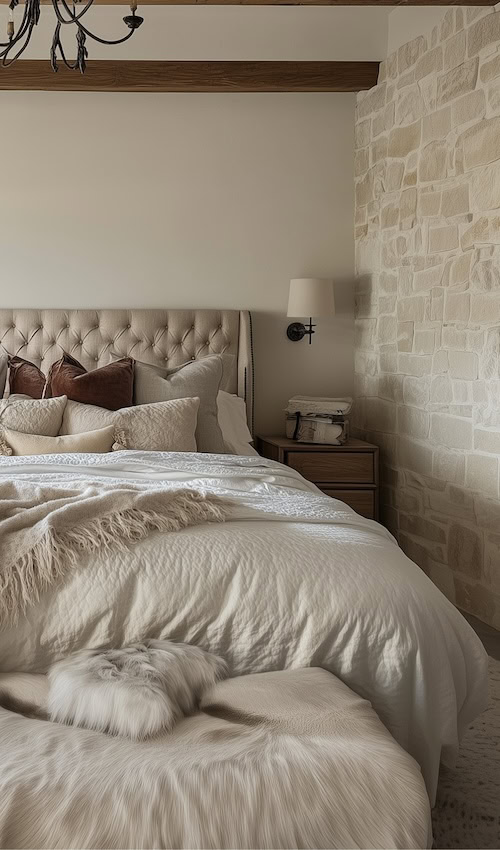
309	296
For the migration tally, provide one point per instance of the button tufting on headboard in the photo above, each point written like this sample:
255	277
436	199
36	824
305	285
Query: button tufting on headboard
162	337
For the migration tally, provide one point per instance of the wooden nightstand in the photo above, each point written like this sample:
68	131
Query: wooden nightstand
348	472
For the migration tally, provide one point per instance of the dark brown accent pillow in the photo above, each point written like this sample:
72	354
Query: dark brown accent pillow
25	378
110	386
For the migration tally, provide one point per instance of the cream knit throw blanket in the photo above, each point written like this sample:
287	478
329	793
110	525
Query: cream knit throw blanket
45	529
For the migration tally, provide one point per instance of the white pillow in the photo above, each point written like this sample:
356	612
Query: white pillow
164	426
232	416
17	443
32	415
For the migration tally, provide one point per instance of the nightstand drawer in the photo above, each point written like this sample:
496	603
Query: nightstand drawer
362	501
352	467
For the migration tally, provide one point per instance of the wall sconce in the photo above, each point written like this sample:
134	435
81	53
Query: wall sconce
309	296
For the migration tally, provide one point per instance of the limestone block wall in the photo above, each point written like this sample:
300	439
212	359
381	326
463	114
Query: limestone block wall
428	300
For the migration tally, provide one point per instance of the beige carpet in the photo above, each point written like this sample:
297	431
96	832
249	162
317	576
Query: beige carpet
467	812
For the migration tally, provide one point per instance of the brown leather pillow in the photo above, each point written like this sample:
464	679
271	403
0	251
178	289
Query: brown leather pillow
25	378
110	386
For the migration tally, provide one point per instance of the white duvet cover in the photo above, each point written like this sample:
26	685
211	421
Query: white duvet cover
292	579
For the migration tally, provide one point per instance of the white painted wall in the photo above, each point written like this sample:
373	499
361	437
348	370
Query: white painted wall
194	200
230	32
186	200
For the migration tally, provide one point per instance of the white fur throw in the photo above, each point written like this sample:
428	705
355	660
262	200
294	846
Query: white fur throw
138	691
44	529
285	759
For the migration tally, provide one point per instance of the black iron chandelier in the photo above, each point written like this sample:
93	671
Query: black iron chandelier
65	14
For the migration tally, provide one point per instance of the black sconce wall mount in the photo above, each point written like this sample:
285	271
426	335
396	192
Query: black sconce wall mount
297	331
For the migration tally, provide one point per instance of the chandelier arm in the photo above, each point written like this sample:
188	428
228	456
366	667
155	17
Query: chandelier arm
31	11
25	31
73	19
4	55
57	45
82	52
80	62
20	32
18	41
103	40
73	66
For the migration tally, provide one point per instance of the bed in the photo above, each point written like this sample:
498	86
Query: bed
292	579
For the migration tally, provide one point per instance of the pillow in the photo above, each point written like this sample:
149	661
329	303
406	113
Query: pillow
110	386
200	379
229	368
32	416
168	426
25	378
17	443
233	424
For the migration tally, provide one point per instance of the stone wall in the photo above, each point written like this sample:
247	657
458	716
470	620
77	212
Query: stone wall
428	300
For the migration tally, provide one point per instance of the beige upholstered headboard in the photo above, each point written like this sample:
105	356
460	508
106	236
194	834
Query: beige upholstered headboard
163	337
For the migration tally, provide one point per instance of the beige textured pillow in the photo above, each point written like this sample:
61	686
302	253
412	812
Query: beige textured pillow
32	415
17	443
168	426
196	379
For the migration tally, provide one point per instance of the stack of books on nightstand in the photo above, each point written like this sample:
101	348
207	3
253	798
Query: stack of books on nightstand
318	420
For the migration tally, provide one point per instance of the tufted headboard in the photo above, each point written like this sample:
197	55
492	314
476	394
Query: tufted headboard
162	337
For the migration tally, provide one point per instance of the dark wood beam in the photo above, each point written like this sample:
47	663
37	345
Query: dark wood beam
158	76
295	2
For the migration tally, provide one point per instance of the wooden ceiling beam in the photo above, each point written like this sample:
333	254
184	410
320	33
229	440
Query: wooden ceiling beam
294	2
157	76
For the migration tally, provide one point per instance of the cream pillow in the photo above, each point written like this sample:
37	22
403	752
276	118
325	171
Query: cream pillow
195	379
17	443
167	426
32	415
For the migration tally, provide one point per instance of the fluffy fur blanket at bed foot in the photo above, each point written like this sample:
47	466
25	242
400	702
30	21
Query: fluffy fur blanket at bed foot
272	760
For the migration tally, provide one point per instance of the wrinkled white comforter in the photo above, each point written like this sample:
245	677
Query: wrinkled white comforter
292	579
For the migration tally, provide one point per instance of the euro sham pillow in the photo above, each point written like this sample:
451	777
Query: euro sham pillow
196	379
167	426
32	416
25	378
17	443
109	386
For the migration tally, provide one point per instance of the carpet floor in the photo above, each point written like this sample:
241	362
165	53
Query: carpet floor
467	811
